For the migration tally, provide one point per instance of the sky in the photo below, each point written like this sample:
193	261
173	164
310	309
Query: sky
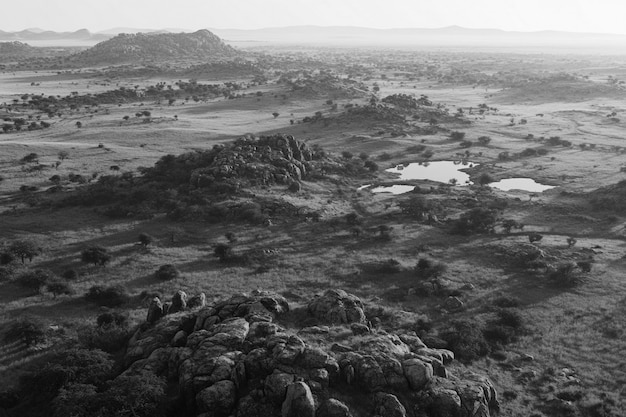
600	16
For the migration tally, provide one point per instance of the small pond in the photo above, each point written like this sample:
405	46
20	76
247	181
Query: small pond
447	172
523	184
439	171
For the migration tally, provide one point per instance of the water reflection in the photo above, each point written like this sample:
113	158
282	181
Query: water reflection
524	184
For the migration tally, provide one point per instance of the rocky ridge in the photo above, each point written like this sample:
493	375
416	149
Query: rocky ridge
232	358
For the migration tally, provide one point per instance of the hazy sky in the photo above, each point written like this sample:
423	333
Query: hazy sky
603	16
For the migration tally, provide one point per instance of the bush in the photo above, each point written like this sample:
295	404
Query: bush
6	258
465	338
564	275
108	338
484	140
145	239
96	255
427	268
112	319
29	330
35	280
353	219
223	252
113	296
59	288
388	266
456	135
70	275
167	272
505	328
476	220
534	237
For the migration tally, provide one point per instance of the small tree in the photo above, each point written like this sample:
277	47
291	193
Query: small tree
79	124
145	239
24	249
223	252
63	155
96	255
59	288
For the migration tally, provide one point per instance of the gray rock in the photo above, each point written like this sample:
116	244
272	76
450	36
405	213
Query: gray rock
155	311
197	301
299	401
179	302
275	386
453	304
388	405
333	408
359	328
337	307
218	400
418	373
179	339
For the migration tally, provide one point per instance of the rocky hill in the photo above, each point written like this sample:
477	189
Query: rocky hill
15	50
237	358
157	47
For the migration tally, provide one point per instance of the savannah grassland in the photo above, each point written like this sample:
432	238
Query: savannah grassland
571	351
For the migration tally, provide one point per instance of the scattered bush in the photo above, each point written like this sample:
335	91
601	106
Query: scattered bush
113	296
427	268
29	330
223	252
145	239
167	272
35	280
476	220
465	338
59	288
96	255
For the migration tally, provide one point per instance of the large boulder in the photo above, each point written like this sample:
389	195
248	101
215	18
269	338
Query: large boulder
388	405
218	400
276	385
299	401
337	307
179	302
418	373
155	310
333	408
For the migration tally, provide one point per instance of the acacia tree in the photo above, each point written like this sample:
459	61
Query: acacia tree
24	249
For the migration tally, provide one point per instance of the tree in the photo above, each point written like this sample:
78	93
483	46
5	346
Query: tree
96	255
24	249
223	252
476	220
79	124
63	155
456	135
167	272
145	239
59	288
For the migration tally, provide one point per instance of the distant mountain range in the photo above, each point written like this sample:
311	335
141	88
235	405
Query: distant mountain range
345	35
36	34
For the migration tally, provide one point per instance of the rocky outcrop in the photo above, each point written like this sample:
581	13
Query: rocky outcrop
232	358
337	307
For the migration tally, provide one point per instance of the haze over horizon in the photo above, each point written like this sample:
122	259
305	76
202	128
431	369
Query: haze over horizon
579	16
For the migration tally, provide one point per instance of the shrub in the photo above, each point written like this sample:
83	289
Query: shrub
96	255
427	268
70	275
108	338
534	237
145	239
484	140
456	135
466	144
465	338
167	272
223	252
113	296
571	241
371	165
29	330
353	219
59	288
476	220
485	179
6	258
35	280
346	155
112	319
505	328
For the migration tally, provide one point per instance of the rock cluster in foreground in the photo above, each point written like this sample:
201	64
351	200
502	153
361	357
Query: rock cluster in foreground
232	359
